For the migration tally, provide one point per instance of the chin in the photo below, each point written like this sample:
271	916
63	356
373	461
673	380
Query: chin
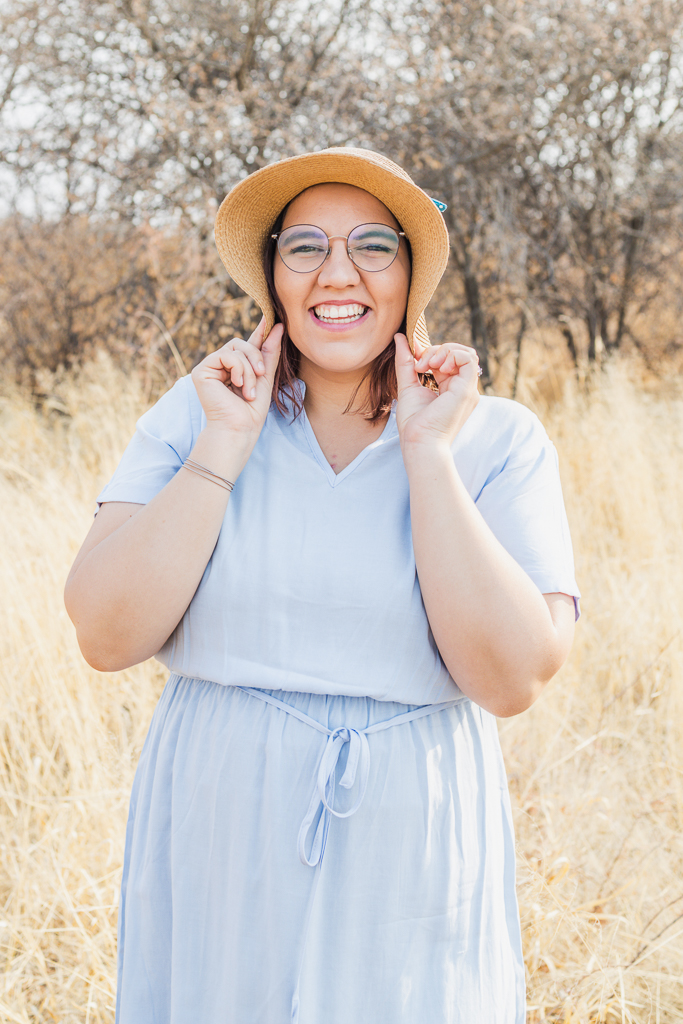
342	354
336	362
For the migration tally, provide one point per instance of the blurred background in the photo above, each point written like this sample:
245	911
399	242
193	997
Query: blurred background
554	132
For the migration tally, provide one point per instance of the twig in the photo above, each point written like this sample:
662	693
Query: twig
629	686
642	949
167	338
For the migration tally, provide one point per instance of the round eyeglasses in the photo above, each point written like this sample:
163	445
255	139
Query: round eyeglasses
304	247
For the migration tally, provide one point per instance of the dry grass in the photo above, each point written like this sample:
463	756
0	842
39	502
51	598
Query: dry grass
595	766
70	737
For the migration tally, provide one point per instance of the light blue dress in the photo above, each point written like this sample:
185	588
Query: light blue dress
320	828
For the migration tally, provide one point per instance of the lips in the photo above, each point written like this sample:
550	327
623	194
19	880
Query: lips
339	314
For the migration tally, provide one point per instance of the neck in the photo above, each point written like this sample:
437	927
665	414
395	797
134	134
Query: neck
328	394
341	436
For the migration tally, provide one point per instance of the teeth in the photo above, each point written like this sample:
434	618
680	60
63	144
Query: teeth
340	314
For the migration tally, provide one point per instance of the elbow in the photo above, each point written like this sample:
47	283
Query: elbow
99	657
90	650
516	701
114	650
103	661
105	649
521	694
117	651
507	675
503	695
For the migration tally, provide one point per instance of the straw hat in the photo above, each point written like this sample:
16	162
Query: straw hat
247	214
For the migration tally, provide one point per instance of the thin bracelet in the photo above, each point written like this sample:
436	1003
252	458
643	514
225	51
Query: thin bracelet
196	467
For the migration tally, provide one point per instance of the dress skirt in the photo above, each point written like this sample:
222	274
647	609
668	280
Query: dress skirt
410	915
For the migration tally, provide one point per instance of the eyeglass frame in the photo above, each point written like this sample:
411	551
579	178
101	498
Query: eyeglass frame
330	238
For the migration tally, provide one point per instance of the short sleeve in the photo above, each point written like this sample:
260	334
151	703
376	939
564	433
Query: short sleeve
522	503
164	437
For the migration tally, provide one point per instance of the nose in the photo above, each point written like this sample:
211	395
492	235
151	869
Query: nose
338	270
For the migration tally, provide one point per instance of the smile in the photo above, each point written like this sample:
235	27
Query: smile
347	314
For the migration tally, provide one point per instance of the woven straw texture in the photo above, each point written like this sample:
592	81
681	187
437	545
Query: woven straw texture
247	214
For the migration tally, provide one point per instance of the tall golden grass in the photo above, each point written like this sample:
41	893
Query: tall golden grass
595	767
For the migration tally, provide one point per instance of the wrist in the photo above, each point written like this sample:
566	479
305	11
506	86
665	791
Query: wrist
425	452
224	452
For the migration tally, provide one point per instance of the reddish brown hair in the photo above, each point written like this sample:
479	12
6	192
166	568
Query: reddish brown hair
382	386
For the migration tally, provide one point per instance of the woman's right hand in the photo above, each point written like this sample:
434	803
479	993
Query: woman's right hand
235	383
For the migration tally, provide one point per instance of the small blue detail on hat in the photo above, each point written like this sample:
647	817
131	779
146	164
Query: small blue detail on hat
439	205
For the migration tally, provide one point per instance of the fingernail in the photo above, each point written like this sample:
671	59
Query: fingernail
252	393
261	367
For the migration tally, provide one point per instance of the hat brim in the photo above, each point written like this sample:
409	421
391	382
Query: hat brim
247	214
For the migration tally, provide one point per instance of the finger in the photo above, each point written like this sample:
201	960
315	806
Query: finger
242	376
270	350
464	364
426	356
448	364
450	356
252	353
258	336
406	372
470	371
436	357
234	362
421	348
217	364
248	378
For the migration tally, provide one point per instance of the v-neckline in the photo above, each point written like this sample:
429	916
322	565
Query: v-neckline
334	479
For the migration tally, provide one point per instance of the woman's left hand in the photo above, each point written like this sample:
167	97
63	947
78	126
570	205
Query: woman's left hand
422	415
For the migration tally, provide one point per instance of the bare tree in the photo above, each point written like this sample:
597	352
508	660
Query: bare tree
120	114
554	132
603	197
68	286
159	105
552	129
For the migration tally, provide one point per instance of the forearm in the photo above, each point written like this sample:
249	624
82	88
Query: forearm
127	594
491	624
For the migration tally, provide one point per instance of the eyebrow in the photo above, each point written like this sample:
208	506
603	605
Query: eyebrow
374	231
302	233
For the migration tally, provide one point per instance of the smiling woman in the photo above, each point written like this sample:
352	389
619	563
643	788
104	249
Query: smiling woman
348	574
380	293
322	310
355	305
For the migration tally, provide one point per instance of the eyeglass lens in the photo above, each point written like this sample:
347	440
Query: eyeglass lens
304	247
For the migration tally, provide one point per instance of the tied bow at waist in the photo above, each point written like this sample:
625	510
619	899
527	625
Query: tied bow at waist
359	751
357	764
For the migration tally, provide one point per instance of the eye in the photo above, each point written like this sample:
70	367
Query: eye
372	247
306	249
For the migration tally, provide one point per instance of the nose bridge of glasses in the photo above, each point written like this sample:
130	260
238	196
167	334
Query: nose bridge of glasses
341	263
345	250
341	238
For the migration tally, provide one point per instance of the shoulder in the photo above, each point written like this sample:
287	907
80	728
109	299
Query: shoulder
177	413
502	417
183	395
164	437
503	428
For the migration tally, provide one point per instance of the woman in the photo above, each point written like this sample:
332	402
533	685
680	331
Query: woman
319	827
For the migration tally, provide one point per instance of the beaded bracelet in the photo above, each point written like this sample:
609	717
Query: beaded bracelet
196	467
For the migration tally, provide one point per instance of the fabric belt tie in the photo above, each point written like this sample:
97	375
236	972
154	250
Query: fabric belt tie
358	757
